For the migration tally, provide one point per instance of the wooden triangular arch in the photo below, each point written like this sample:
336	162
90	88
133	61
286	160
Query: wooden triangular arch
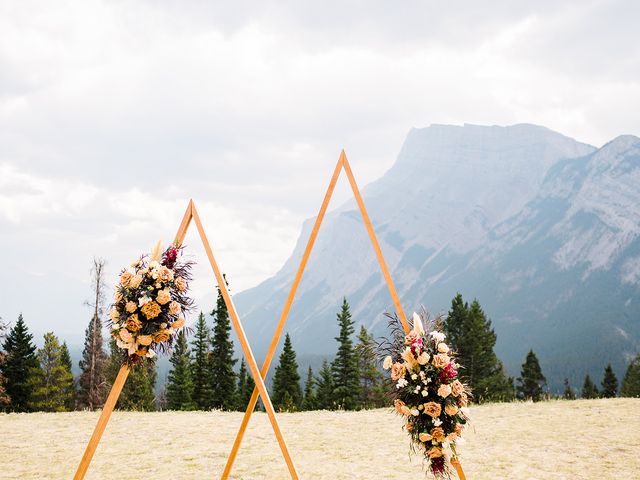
343	164
192	214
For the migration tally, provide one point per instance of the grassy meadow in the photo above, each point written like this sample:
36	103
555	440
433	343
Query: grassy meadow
580	439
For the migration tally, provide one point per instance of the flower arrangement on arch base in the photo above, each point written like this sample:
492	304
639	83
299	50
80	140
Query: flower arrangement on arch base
426	391
150	301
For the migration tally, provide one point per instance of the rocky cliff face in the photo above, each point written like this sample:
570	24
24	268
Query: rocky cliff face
542	229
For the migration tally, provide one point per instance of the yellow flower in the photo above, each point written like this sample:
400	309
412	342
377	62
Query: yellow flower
151	309
450	409
433	409
131	307
163	297
161	336
133	324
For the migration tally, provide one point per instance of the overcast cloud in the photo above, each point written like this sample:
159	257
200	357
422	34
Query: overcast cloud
113	114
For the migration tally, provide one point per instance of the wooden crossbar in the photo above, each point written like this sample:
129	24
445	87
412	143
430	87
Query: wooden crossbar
343	164
192	214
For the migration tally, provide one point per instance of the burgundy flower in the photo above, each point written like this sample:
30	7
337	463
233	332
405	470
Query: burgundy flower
437	466
170	257
447	373
416	346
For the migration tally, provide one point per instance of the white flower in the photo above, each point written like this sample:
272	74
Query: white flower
143	300
415	412
154	265
437	336
417	389
414	376
437	422
425	393
115	326
401	383
150	354
388	361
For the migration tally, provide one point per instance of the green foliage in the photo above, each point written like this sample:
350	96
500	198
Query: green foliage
4	398
589	389
71	394
631	380
246	385
531	382
346	381
222	375
470	335
287	394
52	380
568	394
19	366
138	392
201	366
372	385
309	400
609	383
92	383
324	388
180	384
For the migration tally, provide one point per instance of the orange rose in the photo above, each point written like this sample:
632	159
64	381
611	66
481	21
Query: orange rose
174	308
441	360
164	274
151	309
444	390
409	427
145	340
114	315
125	278
425	437
463	400
438	434
142	351
456	388
432	409
397	371
131	307
434	452
178	323
450	409
135	281
443	348
410	337
163	297
161	336
133	324
181	284
125	336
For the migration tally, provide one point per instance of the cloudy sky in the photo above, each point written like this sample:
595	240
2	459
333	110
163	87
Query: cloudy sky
113	114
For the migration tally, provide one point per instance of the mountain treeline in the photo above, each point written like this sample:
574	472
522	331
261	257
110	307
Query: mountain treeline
205	374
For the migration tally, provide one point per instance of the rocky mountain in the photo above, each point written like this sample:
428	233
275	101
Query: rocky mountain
542	229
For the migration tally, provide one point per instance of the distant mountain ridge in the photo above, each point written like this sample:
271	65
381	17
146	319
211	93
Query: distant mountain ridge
542	229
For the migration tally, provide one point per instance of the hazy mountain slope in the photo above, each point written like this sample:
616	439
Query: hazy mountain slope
434	211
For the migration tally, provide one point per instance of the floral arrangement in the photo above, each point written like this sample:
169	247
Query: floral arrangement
427	393
150	301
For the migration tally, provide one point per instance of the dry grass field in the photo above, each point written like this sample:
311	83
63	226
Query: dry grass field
582	439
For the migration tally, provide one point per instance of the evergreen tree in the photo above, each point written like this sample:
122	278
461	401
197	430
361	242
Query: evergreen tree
324	388
246	385
52	381
65	358
19	366
346	380
92	383
589	389
568	394
4	398
138	392
309	400
631	380
609	383
180	386
531	382
287	394
470	335
372	390
201	366
223	376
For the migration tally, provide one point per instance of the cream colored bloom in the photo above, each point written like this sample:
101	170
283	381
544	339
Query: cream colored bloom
417	324
125	278
114	315
443	348
388	361
410	358
437	336
181	284
397	371
444	390
441	360
424	358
